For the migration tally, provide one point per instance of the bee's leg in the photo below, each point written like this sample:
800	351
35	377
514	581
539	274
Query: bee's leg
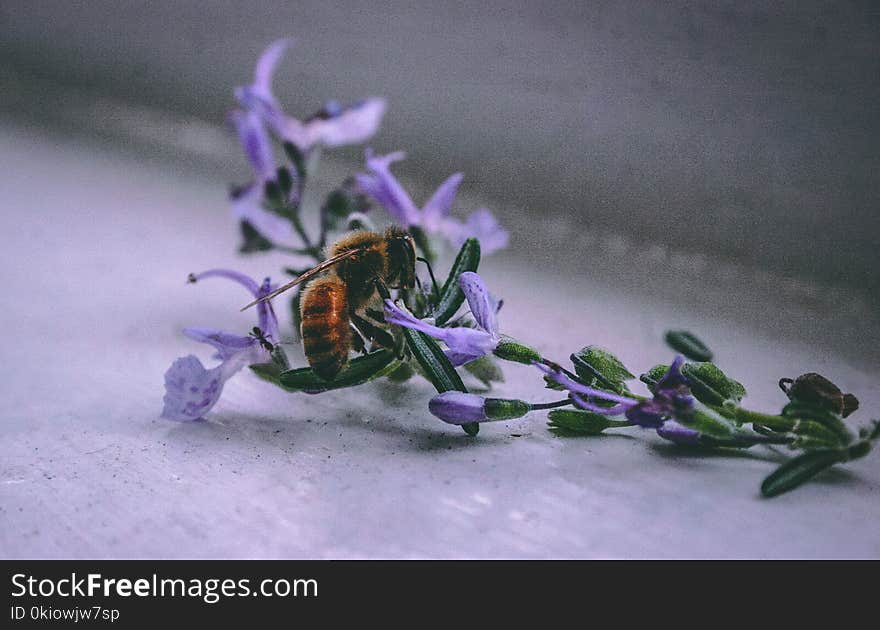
357	340
373	332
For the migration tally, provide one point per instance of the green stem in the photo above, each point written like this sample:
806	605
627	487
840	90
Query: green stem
746	416
551	405
310	247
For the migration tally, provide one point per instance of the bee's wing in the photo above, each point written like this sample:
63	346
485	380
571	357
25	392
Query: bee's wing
311	273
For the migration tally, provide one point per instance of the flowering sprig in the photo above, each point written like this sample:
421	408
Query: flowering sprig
331	126
191	390
425	330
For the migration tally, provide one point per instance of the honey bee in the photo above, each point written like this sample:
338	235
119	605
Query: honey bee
339	290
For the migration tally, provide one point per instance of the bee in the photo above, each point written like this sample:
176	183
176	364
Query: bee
339	290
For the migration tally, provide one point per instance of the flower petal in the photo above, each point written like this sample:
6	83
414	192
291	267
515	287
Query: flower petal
248	206
395	315
468	341
255	142
438	206
616	410
354	125
227	344
479	300
465	344
267	320
458	407
384	188
649	414
230	274
483	226
190	389
259	97
267	63
678	433
673	377
579	388
457	359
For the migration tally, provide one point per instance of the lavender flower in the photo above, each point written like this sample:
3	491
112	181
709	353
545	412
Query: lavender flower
465	344
332	126
463	408
247	202
678	433
433	218
458	407
191	390
481	225
671	400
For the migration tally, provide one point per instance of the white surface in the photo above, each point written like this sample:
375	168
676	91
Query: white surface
98	245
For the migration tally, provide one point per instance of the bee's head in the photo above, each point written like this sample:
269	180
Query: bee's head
401	258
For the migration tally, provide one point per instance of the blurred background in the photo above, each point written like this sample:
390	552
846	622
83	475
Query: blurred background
702	165
746	130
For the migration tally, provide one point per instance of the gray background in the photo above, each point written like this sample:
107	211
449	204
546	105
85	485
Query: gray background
743	129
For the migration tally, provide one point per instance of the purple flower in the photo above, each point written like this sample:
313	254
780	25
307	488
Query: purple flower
458	407
247	202
483	226
191	390
462	408
332	126
678	433
433	218
465	344
672	398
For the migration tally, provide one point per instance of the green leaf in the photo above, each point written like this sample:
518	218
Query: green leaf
297	159
339	204
486	370
252	241
688	344
285	181
436	367
800	469
423	244
708	423
267	371
599	367
403	373
816	434
433	362
273	194
710	385
577	421
359	370
549	383
828	418
653	375
510	349
451	295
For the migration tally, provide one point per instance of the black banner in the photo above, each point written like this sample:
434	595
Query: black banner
122	593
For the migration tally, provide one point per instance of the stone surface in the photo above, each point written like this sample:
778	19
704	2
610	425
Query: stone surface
98	243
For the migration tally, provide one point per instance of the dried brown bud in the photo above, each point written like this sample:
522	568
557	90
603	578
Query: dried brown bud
815	389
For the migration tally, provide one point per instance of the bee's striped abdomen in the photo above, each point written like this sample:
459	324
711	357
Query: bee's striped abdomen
325	326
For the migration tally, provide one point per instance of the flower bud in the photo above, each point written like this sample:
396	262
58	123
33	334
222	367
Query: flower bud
462	408
511	350
815	389
678	433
